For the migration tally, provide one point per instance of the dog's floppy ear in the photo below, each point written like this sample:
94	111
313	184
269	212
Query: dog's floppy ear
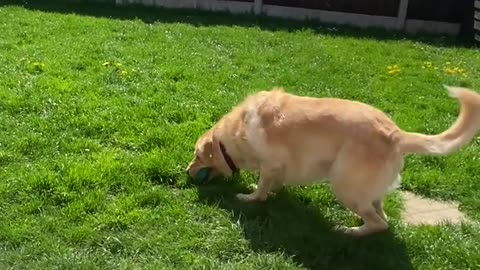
220	162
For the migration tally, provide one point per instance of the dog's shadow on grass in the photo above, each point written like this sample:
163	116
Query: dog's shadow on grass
286	224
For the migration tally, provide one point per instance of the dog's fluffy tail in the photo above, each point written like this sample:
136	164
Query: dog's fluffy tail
459	134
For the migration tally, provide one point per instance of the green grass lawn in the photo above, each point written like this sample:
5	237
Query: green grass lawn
99	113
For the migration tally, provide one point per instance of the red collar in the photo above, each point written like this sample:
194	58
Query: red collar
228	159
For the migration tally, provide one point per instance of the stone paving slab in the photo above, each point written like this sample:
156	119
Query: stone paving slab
422	211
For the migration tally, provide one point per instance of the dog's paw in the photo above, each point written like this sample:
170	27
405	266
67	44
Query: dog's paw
272	194
254	187
358	231
245	197
352	231
252	197
340	228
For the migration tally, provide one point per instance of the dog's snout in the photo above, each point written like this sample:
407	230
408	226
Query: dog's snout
189	170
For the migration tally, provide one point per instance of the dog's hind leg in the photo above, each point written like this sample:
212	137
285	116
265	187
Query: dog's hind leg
373	221
360	183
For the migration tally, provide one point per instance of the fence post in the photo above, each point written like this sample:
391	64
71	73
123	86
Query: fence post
257	9
402	14
476	21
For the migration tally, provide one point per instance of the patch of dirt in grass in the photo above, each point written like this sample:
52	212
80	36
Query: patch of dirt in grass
422	211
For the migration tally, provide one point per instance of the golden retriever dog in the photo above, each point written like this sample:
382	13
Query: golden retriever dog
296	140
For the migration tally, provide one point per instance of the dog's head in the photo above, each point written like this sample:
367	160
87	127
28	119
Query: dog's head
209	161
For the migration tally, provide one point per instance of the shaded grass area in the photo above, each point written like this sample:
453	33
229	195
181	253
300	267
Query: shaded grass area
98	117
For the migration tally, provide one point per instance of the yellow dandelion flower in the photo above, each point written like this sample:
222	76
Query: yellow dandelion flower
35	67
427	64
393	70
450	71
38	67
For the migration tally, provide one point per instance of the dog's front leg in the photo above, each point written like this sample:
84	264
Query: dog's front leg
269	176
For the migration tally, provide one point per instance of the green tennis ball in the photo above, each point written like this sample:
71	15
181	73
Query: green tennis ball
202	175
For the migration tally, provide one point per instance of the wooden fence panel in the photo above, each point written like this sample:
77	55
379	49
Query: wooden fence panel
366	7
404	15
476	20
436	10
